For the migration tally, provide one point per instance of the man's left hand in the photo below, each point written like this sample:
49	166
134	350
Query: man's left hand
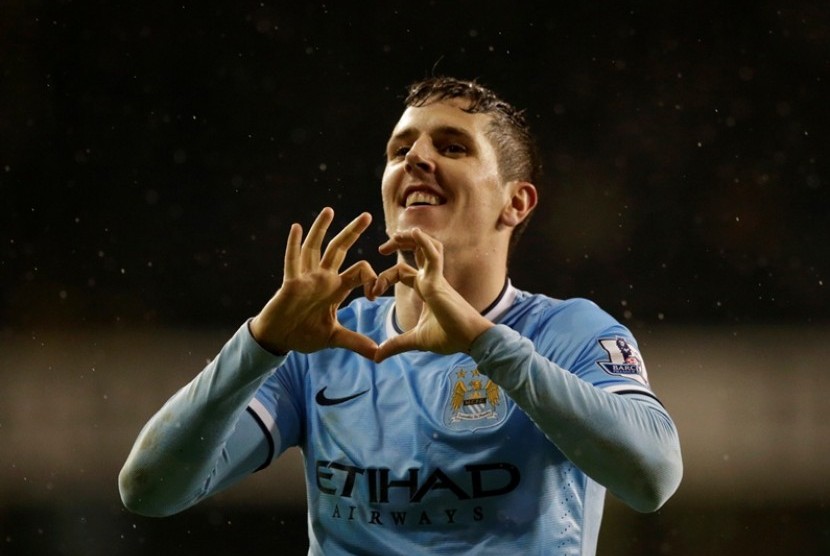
447	323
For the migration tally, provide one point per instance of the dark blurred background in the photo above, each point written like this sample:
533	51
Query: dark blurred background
152	158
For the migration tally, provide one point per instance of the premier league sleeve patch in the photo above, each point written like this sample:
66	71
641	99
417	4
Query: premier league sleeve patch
623	360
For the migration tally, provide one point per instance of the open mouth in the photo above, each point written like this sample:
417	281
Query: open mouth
420	198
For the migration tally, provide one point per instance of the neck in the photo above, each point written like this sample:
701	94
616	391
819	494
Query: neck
479	285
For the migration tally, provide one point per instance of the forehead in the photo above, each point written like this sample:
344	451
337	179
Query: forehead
441	115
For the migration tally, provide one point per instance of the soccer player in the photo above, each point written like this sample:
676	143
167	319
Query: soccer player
461	414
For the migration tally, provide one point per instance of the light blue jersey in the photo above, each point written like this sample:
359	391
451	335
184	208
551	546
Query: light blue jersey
429	454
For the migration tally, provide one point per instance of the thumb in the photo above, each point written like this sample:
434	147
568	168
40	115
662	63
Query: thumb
358	343
399	344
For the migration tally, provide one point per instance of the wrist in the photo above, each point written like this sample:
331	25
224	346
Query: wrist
255	329
476	330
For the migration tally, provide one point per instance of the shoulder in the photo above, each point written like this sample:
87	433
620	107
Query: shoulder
576	312
565	328
580	336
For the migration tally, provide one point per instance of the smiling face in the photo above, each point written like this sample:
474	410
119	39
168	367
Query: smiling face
442	176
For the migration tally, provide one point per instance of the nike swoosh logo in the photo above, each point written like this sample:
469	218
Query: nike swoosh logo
321	398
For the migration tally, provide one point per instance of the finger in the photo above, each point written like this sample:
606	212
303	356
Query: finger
359	273
341	243
387	247
400	241
400	272
291	268
310	253
358	343
367	291
432	251
394	346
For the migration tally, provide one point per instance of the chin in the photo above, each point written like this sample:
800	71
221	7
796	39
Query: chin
428	221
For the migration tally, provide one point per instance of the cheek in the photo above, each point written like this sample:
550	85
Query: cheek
390	179
387	190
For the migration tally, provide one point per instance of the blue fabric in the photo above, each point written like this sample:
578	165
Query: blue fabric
501	451
431	454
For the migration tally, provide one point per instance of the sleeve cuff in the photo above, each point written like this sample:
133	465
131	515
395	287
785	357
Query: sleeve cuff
246	357
251	341
491	339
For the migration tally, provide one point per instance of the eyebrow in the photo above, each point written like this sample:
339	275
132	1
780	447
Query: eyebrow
444	130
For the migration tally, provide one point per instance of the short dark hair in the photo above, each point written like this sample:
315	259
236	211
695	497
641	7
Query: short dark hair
515	146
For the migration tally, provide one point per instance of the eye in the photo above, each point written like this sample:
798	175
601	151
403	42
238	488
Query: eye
454	149
398	152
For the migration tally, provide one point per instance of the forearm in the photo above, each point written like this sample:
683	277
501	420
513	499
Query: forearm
627	443
180	455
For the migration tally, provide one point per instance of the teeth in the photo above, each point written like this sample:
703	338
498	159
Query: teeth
422	198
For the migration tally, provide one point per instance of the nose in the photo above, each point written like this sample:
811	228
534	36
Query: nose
420	156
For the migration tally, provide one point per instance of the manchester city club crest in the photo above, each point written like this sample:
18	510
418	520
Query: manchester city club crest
473	400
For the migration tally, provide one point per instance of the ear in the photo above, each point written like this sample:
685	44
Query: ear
522	200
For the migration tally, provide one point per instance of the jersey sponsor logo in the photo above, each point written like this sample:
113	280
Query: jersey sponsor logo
377	496
623	360
473	401
479	480
402	518
322	399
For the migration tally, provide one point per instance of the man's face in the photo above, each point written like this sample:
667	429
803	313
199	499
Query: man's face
442	176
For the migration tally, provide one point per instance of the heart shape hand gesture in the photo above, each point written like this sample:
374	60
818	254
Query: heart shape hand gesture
302	315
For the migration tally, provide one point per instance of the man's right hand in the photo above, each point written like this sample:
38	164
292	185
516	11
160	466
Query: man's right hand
302	315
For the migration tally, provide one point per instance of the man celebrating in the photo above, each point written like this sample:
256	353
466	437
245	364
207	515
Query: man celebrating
460	415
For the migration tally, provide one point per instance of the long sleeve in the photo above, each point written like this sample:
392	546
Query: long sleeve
202	439
628	443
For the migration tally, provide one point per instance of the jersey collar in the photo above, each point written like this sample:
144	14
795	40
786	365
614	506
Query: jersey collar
493	312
